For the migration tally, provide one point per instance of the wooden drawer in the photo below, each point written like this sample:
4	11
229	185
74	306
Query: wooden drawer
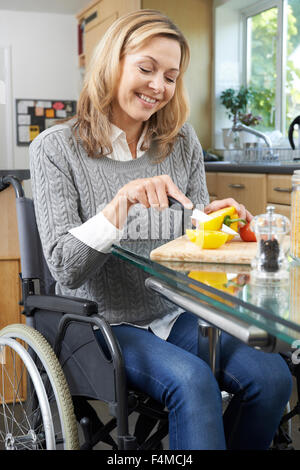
211	181
279	189
282	209
249	189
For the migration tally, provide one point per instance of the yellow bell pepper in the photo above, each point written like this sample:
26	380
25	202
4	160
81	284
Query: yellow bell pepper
227	216
218	280
215	279
217	218
208	235
207	239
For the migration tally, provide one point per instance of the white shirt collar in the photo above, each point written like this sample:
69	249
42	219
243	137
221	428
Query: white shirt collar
119	134
115	132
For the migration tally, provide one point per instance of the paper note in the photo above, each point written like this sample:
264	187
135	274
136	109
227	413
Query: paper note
33	132
23	132
24	105
24	119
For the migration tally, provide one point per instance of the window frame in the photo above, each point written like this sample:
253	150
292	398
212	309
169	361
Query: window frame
280	99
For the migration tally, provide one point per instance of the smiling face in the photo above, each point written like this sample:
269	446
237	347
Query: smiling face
147	81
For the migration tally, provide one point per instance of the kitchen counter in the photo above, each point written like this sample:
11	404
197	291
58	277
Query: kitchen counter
21	174
221	166
263	167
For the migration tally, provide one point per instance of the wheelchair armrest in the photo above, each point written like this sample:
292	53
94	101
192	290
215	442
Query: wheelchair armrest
59	303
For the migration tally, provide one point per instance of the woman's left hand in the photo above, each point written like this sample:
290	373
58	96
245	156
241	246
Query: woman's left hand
222	203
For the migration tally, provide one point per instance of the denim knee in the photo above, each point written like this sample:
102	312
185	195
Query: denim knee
274	381
282	380
194	383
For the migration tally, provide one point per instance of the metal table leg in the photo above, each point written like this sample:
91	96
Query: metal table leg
211	322
211	335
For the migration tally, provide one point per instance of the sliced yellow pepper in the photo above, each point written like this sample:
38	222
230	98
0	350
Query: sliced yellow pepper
214	279
223	216
207	239
208	235
217	218
211	278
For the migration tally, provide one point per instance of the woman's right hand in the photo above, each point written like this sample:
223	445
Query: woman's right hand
150	192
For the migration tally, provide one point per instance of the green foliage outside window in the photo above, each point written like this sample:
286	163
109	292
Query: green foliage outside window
263	64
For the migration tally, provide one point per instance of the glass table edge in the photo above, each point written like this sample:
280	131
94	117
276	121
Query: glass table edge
284	330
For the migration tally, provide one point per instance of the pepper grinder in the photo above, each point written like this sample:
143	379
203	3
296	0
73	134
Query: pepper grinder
270	264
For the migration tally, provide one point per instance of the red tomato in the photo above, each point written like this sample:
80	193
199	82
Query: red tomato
246	233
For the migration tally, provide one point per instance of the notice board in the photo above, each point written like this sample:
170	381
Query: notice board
34	116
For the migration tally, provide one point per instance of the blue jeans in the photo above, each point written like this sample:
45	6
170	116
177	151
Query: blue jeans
174	374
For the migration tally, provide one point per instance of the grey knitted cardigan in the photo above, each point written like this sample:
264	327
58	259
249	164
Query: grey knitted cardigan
69	188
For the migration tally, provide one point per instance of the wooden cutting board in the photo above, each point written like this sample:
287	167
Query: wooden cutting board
182	249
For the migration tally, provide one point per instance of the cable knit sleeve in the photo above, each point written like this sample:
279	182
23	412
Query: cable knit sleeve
56	201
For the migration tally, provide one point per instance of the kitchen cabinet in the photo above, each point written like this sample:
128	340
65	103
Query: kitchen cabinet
254	190
279	189
95	19
211	181
10	286
246	188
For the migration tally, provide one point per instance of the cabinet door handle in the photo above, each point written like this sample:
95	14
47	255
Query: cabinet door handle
283	190
236	186
91	17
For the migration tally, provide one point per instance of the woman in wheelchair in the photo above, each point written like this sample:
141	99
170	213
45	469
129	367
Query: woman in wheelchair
128	148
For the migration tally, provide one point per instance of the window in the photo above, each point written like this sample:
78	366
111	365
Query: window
272	61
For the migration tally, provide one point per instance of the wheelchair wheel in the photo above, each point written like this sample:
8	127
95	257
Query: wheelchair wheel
36	405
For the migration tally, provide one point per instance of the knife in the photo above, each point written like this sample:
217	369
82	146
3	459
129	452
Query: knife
187	213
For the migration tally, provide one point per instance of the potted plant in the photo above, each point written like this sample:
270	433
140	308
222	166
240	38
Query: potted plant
236	103
249	119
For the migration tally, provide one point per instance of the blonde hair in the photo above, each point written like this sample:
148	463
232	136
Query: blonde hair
94	109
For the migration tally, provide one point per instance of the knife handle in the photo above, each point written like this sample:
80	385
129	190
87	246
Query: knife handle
172	201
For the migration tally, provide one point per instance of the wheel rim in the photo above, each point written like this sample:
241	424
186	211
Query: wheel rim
25	424
53	380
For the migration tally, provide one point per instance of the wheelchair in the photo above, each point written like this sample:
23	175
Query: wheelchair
53	366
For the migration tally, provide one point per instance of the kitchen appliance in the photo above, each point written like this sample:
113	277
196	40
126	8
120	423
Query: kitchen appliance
296	122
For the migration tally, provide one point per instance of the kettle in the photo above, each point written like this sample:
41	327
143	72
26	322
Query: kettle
291	131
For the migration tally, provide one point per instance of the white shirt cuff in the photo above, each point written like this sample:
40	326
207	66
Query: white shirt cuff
97	233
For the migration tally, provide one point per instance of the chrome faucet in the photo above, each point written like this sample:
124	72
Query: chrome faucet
239	127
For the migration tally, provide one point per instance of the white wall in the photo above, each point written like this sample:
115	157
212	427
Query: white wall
44	61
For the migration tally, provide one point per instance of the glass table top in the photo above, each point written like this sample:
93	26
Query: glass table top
226	287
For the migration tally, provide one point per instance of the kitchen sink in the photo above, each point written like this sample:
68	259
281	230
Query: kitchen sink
262	155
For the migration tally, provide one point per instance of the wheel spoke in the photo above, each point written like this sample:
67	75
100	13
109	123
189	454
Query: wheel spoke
24	421
15	395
